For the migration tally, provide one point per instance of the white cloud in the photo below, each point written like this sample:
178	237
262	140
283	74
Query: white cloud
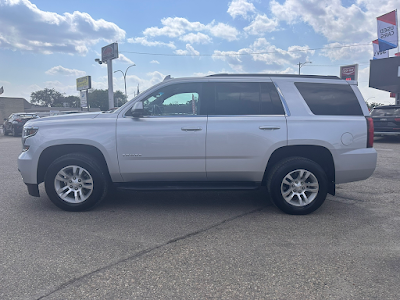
60	70
330	18
199	38
189	51
26	27
151	79
174	27
61	87
180	27
132	82
224	31
262	56
143	41
124	59
338	51
240	8
155	62
260	25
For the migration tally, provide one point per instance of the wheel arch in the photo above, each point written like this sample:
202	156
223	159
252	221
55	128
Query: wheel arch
318	154
51	153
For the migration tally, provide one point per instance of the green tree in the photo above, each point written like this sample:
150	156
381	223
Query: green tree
373	104
47	97
99	98
72	101
119	98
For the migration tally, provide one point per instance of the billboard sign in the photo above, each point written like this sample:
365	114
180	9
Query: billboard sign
349	72
379	54
109	52
83	99
387	31
83	83
384	74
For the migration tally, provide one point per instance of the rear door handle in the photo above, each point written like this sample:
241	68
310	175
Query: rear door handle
269	127
191	128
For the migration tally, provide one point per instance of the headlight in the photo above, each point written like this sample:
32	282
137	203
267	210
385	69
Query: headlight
28	131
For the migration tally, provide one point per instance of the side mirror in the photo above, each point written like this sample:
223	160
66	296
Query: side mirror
137	110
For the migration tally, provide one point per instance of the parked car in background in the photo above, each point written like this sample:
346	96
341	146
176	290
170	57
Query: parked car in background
15	122
386	120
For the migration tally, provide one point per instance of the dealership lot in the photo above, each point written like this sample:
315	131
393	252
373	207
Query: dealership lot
196	245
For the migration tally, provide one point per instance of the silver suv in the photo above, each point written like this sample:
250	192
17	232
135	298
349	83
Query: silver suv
296	135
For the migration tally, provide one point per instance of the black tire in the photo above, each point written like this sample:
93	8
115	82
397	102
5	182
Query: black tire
91	171
13	132
309	182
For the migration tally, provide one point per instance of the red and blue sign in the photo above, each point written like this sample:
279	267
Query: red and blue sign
387	31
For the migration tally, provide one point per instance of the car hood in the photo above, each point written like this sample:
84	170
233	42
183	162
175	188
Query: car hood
90	115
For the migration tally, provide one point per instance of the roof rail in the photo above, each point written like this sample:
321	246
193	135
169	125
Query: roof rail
272	75
168	77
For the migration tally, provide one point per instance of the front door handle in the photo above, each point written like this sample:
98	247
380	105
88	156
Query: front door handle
191	128
269	127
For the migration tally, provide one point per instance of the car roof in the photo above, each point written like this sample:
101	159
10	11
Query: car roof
273	75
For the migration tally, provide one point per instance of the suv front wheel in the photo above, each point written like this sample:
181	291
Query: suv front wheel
76	182
297	185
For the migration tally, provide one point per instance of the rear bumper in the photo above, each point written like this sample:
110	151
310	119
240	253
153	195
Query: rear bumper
355	165
386	133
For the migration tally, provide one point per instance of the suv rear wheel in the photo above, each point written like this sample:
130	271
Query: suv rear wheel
76	182
297	185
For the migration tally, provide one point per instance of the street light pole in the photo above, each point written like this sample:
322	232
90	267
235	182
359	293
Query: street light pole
302	64
124	74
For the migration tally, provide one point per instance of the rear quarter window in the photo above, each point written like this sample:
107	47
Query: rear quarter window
330	99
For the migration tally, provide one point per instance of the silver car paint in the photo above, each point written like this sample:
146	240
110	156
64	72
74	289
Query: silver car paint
115	135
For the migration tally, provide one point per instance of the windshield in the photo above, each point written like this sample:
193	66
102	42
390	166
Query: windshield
386	112
117	110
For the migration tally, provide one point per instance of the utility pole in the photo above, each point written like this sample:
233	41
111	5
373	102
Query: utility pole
302	64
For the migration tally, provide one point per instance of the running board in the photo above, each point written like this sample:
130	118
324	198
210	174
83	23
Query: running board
168	186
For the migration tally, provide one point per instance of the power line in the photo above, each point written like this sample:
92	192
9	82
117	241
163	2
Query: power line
243	54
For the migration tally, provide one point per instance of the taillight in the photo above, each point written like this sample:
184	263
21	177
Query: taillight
397	119
370	130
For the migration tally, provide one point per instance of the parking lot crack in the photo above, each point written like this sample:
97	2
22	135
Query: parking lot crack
148	250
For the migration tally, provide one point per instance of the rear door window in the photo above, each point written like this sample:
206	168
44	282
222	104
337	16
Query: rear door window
330	99
244	98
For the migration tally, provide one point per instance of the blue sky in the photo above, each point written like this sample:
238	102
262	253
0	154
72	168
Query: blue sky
48	44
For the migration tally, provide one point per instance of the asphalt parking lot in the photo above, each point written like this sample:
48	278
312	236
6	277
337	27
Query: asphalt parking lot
202	245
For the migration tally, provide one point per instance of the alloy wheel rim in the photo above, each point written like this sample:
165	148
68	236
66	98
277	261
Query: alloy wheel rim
299	187
73	184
